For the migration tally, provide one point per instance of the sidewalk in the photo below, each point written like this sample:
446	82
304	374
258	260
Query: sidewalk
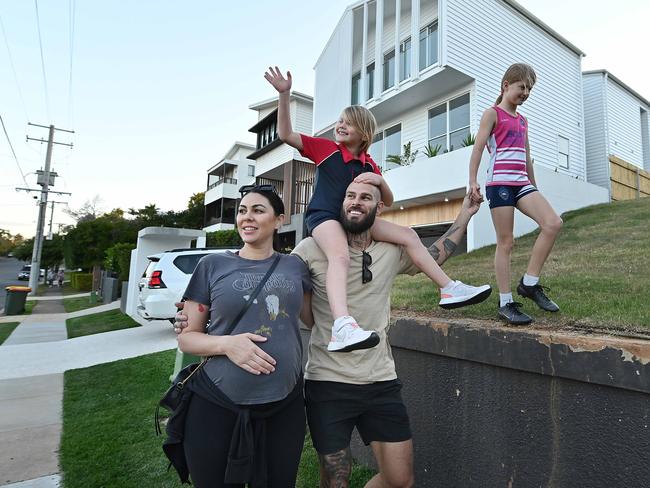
32	362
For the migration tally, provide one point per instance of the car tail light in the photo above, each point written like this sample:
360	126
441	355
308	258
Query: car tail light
156	280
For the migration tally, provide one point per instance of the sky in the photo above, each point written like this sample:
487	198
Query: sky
157	91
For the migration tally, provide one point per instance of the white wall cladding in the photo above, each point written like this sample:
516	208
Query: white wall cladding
624	124
483	38
301	116
273	159
595	129
264	112
332	93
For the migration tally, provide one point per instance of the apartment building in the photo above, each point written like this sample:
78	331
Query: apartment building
427	69
281	165
224	179
617	135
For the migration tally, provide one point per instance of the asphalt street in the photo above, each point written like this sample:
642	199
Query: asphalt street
9	268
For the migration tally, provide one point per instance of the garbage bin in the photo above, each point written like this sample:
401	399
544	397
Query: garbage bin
15	299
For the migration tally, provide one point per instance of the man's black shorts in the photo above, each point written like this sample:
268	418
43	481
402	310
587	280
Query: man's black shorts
334	409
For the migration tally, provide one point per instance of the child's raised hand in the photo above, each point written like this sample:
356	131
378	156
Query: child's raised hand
369	178
279	82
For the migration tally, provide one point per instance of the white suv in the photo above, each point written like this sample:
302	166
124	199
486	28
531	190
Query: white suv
165	280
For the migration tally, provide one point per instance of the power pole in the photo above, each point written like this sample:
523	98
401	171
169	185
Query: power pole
49	234
42	206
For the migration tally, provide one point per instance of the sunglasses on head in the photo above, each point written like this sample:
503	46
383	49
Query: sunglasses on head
366	261
248	188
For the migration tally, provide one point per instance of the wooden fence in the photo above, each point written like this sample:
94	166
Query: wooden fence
628	181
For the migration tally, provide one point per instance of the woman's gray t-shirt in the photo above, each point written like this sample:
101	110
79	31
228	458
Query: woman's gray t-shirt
224	281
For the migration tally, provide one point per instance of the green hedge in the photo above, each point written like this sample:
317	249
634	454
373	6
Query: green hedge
81	281
118	259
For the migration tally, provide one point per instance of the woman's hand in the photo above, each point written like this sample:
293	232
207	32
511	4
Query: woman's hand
242	350
279	82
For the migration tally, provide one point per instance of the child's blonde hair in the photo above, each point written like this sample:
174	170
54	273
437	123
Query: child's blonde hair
518	72
363	121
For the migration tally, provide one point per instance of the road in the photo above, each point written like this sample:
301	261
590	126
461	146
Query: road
9	268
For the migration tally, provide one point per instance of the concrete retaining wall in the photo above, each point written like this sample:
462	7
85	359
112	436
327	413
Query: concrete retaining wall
494	406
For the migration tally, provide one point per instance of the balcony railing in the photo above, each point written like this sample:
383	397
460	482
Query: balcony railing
232	181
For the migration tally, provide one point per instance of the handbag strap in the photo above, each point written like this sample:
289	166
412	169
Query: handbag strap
253	295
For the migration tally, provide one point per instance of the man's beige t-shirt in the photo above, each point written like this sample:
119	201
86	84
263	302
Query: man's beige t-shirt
368	303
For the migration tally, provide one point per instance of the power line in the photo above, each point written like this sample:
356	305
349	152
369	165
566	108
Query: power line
40	43
11	62
12	150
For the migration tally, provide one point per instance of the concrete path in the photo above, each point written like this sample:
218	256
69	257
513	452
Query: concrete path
32	362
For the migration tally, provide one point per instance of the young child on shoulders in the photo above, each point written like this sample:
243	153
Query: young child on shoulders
511	183
338	163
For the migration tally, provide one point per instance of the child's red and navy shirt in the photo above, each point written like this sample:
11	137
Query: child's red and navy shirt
336	167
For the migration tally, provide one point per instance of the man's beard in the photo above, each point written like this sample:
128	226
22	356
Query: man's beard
358	226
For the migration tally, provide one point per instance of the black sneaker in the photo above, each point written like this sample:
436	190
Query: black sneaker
536	294
511	313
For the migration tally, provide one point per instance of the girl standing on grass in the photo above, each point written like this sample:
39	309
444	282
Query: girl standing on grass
511	183
338	164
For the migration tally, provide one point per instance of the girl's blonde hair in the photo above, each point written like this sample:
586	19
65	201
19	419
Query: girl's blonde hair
518	72
364	122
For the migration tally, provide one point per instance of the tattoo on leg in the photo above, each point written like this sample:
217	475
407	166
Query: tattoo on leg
337	467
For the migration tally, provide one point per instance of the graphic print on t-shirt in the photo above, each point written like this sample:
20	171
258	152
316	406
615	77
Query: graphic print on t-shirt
269	304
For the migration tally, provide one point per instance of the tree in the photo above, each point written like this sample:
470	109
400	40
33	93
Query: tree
90	210
8	241
51	254
86	244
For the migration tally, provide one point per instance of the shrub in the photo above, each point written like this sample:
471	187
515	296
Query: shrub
81	281
432	151
118	259
224	238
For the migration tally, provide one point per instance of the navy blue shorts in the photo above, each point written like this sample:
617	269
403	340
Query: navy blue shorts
317	217
335	409
507	195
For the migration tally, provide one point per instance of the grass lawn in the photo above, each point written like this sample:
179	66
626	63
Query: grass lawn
29	306
598	272
79	303
108	434
99	322
6	329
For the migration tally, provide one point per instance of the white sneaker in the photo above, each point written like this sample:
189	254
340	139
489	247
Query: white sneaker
458	294
348	336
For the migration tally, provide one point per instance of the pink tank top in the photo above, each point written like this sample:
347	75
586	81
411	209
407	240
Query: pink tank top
507	148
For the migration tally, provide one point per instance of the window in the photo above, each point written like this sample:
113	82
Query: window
267	133
370	80
251	170
449	123
356	87
386	143
405	60
429	45
389	69
563	152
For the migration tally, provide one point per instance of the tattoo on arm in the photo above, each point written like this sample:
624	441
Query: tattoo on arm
445	246
336	469
435	252
450	246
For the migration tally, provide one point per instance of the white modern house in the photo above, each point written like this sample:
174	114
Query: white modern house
616	128
427	69
281	165
224	180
